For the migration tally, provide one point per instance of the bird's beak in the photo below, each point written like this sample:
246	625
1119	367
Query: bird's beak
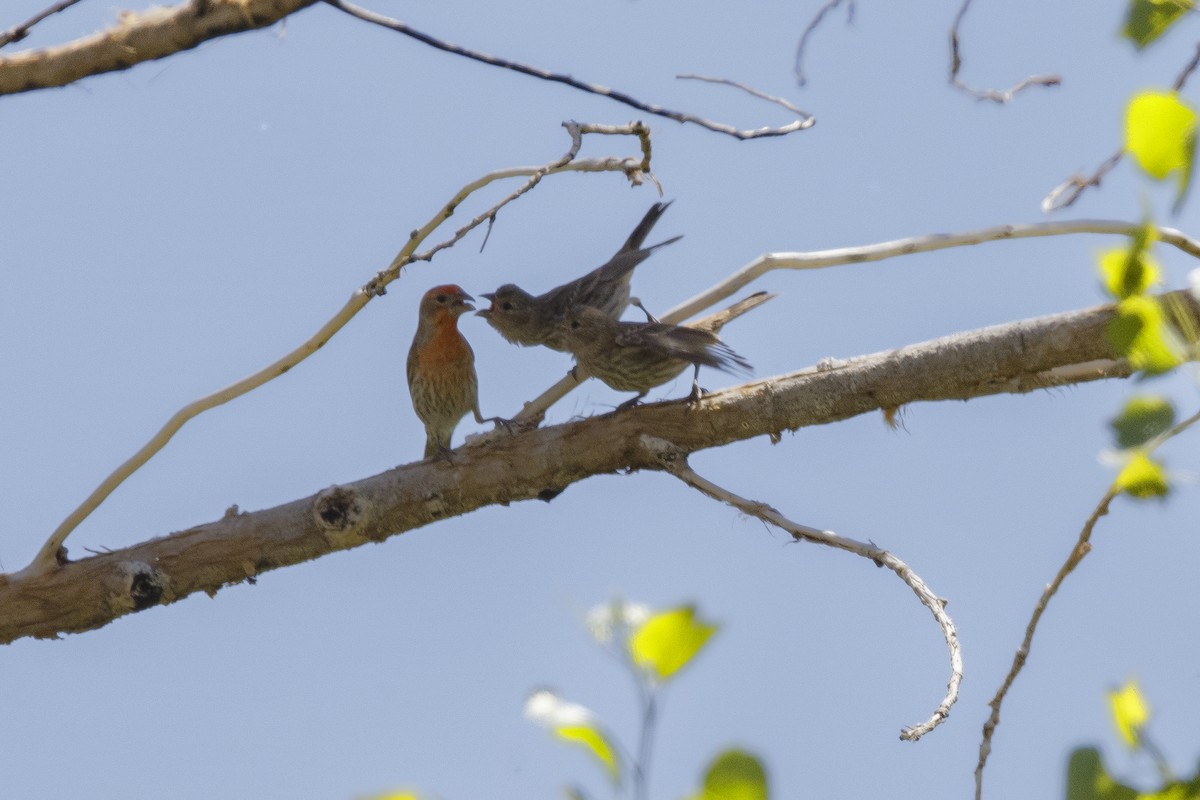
491	298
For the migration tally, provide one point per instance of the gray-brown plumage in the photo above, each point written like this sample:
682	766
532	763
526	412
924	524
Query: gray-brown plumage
637	356
526	320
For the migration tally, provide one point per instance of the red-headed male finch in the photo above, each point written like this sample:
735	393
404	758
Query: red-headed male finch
441	368
524	319
637	356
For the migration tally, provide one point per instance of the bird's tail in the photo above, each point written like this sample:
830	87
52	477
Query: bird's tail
638	237
726	360
714	322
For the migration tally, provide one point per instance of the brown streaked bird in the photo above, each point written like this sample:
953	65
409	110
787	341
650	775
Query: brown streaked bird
526	320
637	356
441	368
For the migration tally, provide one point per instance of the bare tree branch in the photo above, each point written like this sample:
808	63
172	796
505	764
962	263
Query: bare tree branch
1182	79
995	95
804	115
1067	192
144	36
592	88
675	462
1083	546
536	408
18	32
499	469
801	45
50	551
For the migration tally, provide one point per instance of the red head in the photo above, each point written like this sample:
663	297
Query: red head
448	301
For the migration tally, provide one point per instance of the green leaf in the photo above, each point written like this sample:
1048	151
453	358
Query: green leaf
1149	19
665	643
593	740
1088	780
1142	419
575	724
1129	712
1139	333
734	775
1142	477
1176	790
1160	134
1129	271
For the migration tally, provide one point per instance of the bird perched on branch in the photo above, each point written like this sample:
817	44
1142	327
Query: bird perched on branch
441	368
637	356
524	319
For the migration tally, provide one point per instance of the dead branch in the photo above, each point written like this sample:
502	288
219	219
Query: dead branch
675	462
500	469
802	44
995	95
144	36
557	77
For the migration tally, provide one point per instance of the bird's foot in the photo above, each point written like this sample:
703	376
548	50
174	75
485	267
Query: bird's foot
631	403
637	303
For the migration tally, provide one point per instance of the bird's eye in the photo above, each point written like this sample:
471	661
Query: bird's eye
506	306
574	324
441	298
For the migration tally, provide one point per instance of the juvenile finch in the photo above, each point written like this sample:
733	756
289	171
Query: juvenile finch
441	368
524	319
637	356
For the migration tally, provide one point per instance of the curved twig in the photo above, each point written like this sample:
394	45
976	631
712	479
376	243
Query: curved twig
995	95
48	555
806	117
18	32
592	88
802	44
674	461
1081	548
535	409
1067	192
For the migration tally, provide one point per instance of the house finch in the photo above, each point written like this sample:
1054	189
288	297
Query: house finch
524	319
441	368
637	356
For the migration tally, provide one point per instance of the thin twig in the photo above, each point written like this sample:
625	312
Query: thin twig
1082	547
496	61
18	32
812	26
47	556
1182	79
804	115
995	95
675	462
535	410
1069	190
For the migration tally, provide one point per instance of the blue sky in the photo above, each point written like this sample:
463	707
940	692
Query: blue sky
170	229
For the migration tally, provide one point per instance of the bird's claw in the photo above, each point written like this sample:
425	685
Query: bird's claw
501	422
